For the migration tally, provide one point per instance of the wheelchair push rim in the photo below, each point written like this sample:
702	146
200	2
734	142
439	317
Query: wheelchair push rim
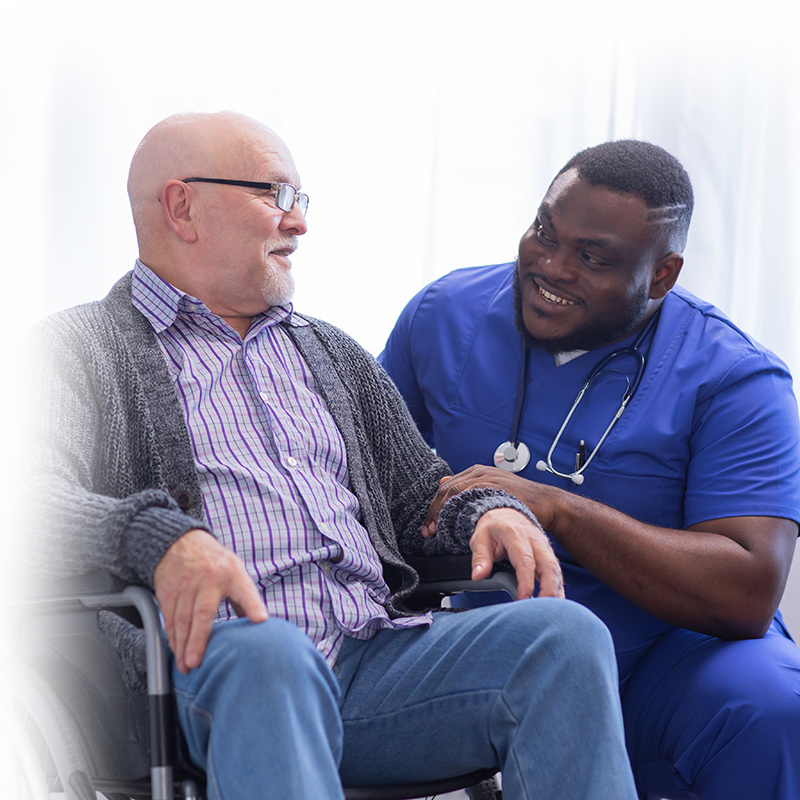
42	756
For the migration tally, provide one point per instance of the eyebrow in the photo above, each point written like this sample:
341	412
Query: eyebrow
601	244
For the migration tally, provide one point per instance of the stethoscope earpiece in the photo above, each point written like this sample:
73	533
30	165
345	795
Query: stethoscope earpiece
576	477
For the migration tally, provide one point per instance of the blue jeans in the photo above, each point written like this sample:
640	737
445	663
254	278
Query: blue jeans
529	687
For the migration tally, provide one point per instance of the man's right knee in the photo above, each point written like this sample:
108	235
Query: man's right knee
562	625
559	639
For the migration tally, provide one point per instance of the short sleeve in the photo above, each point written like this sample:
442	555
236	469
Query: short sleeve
745	443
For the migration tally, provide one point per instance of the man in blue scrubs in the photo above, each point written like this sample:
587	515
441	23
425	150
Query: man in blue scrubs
679	529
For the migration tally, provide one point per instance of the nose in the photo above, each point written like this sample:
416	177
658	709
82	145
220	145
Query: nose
556	267
293	221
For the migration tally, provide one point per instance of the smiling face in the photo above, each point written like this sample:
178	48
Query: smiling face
229	246
592	267
245	240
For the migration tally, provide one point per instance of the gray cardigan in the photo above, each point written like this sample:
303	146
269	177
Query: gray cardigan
113	476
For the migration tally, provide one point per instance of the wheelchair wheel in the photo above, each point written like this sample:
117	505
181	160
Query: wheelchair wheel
485	790
47	754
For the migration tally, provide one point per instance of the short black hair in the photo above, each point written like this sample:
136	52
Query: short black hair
645	170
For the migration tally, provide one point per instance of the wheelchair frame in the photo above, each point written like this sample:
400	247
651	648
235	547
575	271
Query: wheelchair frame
74	764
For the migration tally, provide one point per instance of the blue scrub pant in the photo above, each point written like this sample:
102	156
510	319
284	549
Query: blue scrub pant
710	719
724	715
529	686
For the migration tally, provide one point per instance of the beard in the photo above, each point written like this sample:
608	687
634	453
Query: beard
602	331
277	288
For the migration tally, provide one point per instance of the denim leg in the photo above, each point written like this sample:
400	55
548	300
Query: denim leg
261	714
529	686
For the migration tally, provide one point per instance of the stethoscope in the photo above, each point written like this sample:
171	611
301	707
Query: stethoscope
515	455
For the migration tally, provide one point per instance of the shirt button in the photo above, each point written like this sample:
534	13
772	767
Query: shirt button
323	527
326	567
291	461
192	307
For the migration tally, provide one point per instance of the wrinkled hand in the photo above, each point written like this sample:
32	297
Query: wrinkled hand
505	533
191	580
535	495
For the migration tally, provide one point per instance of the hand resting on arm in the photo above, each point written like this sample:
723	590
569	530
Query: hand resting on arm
504	533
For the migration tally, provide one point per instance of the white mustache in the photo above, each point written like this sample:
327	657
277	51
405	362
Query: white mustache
287	246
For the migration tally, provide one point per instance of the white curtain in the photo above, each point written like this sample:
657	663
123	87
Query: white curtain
425	133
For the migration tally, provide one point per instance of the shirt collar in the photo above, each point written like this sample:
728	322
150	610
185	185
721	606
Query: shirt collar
161	303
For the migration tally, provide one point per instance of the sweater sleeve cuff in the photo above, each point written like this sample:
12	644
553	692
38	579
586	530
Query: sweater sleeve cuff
153	531
460	515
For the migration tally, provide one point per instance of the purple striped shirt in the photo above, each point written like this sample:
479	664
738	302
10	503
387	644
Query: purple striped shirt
272	466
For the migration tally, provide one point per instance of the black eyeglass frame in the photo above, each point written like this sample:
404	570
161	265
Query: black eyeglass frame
284	200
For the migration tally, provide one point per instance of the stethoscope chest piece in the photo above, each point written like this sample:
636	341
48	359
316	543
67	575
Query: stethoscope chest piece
512	457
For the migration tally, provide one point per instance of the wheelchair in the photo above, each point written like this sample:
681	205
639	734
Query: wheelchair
78	731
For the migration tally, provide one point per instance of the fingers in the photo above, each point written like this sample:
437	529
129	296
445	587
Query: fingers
534	561
482	554
505	533
520	554
445	491
192	578
194	618
548	573
245	599
449	487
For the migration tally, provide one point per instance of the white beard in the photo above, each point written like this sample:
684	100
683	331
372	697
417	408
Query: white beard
278	288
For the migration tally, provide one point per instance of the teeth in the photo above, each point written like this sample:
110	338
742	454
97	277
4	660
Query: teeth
554	298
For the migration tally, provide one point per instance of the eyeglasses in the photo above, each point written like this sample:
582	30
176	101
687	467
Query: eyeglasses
285	198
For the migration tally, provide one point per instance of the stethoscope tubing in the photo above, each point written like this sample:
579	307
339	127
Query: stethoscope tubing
576	476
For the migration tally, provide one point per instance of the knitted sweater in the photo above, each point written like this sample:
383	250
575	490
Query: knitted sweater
114	481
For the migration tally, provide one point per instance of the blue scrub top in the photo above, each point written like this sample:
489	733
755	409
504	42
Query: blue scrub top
712	431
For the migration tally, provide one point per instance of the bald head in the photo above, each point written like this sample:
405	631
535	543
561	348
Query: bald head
185	145
228	245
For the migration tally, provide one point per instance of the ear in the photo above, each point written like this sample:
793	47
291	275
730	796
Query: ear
176	206
665	275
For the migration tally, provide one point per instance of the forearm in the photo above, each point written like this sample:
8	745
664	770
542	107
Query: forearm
699	578
94	492
461	514
71	531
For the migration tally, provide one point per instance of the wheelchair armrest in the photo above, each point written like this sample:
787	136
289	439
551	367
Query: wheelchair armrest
446	575
97	582
97	591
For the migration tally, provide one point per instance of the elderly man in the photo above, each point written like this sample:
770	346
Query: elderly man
674	522
201	438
